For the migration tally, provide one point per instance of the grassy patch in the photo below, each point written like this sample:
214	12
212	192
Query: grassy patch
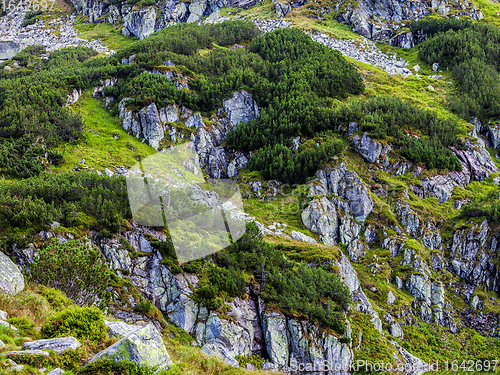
108	33
99	148
490	9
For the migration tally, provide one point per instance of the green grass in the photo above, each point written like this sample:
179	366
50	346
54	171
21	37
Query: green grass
490	9
110	36
99	148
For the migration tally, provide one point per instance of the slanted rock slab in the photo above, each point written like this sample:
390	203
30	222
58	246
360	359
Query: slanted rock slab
143	347
11	278
121	329
59	344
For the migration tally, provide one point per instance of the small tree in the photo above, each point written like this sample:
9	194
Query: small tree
77	269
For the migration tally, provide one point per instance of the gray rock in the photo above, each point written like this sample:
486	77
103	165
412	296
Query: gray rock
302	237
22	353
169	113
11	278
435	67
391	298
9	49
396	331
56	371
369	149
59	344
143	347
321	218
140	23
16	368
282	9
419	287
120	329
240	108
195	120
151	125
346	185
196	9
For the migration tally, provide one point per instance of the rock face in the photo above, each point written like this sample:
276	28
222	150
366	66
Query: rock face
380	19
476	166
143	347
11	278
240	108
140	23
351	193
152	129
369	149
252	328
58	345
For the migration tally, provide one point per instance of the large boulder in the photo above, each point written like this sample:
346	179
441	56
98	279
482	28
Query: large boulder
144	347
11	278
8	50
369	149
59	344
321	218
140	23
120	329
240	108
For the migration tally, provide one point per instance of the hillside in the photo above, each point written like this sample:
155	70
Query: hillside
239	187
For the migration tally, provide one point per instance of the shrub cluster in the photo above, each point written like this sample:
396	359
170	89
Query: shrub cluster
472	51
76	269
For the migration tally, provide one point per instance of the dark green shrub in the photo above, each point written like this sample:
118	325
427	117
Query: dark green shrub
142	307
108	367
79	322
77	269
56	298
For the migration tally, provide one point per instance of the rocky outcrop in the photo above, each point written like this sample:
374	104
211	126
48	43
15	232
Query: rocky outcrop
282	8
140	23
240	108
11	278
143	347
378	19
471	256
351	195
120	329
476	166
152	129
252	327
321	218
369	149
407	40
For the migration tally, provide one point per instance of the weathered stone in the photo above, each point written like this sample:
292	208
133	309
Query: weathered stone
302	237
369	149
391	298
152	129
143	347
321	218
240	108
11	278
282	9
169	113
8	50
140	23
120	329
195	120
59	344
56	371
